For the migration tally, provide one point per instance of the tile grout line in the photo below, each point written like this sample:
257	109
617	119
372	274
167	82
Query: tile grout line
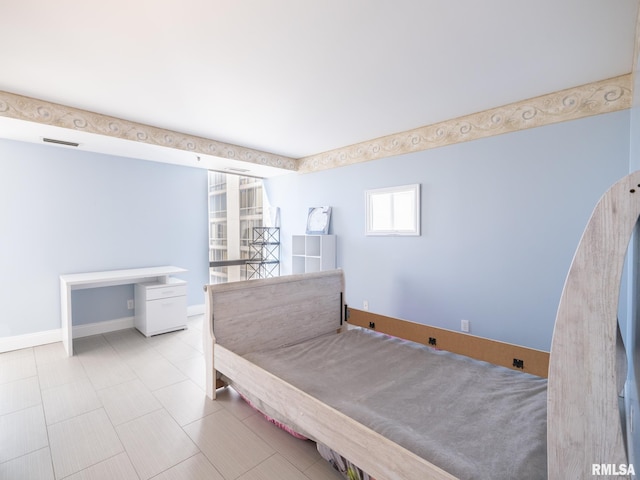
121	346
162	407
44	416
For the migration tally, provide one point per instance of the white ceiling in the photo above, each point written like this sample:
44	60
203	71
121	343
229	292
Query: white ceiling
300	77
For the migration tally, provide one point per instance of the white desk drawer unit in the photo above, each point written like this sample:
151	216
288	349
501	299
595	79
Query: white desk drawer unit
161	307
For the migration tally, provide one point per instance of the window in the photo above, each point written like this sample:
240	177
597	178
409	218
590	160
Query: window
251	197
393	211
235	207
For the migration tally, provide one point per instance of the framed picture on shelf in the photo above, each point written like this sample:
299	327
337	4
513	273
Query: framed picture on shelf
318	220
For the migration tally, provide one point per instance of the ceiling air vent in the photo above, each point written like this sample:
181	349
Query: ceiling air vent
60	142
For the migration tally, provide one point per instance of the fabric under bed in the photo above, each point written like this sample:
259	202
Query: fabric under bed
470	418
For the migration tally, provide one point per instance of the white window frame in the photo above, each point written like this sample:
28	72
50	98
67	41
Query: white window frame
390	195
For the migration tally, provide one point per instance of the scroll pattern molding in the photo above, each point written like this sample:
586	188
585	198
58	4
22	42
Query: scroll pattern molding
40	111
571	104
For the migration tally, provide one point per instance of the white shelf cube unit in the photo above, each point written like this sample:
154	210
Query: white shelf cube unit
313	253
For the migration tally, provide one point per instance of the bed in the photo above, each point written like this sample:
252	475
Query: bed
250	324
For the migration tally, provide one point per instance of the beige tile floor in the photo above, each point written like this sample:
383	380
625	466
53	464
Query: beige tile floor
129	407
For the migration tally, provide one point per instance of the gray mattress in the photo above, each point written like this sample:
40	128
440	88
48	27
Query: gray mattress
472	419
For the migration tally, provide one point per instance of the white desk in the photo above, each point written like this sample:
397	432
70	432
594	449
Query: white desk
77	281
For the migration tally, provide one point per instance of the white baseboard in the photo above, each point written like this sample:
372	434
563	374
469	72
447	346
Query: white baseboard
17	342
193	310
103	327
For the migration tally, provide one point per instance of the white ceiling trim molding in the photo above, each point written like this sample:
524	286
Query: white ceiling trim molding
33	110
592	99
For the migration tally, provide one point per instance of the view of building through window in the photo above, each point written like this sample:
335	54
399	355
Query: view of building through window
235	207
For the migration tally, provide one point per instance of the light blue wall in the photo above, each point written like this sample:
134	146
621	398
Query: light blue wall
501	218
65	211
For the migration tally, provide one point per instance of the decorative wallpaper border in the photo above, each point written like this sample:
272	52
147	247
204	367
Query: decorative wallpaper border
592	99
595	98
40	111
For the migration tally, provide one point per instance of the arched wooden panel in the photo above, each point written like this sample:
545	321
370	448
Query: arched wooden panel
583	415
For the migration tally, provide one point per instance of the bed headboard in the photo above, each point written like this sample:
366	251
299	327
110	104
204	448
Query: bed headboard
257	314
583	422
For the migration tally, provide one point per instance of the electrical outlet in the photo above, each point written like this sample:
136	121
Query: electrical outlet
365	304
464	325
130	304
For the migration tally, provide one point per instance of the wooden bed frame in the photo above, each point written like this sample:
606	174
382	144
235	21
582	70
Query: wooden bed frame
516	357
583	418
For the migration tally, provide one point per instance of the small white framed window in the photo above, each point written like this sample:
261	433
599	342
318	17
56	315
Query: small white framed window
393	210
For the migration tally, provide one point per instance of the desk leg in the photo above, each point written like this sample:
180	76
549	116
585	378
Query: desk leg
65	317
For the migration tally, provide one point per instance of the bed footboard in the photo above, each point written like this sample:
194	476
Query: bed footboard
583	423
270	313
